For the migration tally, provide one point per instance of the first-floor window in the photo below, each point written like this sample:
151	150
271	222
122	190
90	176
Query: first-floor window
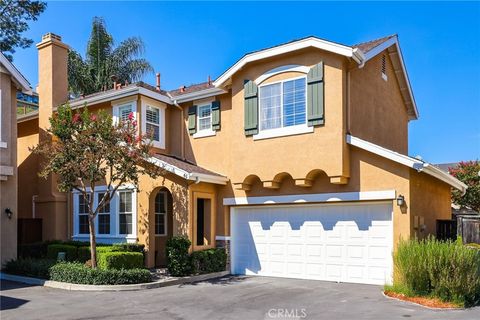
283	104
103	216
125	212
83	227
161	214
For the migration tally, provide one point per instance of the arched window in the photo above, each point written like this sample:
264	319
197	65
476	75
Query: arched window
161	214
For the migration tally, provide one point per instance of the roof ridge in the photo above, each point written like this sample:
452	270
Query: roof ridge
375	40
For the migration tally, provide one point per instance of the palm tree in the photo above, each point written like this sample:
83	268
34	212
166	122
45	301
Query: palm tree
104	63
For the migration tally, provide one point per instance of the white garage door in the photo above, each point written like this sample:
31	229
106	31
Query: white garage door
346	243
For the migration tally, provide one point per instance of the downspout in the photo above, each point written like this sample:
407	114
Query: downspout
182	124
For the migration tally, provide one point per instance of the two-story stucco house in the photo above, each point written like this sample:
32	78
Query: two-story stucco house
295	158
11	81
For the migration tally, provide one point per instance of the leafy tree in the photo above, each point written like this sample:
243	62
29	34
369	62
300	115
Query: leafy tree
87	150
103	62
14	15
469	173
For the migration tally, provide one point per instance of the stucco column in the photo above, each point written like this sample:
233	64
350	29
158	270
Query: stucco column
51	205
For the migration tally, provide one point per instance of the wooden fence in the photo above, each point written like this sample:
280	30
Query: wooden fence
447	229
468	227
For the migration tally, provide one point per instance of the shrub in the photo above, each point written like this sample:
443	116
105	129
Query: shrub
128	247
54	249
38	268
207	261
178	260
78	273
83	254
36	250
120	260
473	245
446	270
77	243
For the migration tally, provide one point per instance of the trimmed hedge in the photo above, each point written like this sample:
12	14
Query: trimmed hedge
208	261
54	249
119	260
447	270
38	268
179	262
128	247
80	274
36	250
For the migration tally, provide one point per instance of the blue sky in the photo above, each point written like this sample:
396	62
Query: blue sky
186	42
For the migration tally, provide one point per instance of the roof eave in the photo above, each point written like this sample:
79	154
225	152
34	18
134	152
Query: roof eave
20	81
201	94
340	49
413	163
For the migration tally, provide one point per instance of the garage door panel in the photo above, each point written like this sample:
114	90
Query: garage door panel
350	243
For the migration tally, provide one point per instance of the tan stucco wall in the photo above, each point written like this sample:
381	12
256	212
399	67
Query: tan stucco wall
430	200
8	158
377	111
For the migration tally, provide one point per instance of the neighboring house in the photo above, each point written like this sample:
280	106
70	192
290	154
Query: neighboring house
456	209
11	81
295	159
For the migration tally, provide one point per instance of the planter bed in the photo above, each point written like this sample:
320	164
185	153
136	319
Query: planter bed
433	303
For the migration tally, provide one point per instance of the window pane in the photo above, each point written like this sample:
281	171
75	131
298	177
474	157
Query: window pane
152	115
106	208
83	203
83	224
126	224
104	223
124	111
204	124
294	102
160	203
125	201
153	131
204	111
159	223
270	108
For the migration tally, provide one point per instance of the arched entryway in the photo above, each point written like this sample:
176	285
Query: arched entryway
161	209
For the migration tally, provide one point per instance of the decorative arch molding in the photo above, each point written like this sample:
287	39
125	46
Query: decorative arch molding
247	183
281	69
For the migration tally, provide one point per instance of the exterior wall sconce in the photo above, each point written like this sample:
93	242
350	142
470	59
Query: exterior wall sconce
400	200
9	213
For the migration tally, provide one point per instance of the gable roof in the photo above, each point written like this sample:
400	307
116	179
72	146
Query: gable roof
360	53
19	79
414	163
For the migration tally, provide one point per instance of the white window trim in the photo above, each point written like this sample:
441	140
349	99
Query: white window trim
282	131
161	123
205	132
77	218
114	206
282	69
117	106
165	219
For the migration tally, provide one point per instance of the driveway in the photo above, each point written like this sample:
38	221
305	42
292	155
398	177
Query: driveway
227	298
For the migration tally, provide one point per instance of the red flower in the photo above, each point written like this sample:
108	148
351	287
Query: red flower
134	123
76	118
93	117
130	116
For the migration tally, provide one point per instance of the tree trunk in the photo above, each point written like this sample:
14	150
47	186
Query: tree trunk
93	242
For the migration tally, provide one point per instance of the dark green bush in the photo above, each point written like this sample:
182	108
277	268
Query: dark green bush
54	249
447	270
178	260
120	260
76	243
207	261
78	273
83	254
128	247
38	268
35	250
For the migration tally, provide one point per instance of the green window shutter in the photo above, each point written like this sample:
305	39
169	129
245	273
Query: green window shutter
216	115
250	91
315	96
192	119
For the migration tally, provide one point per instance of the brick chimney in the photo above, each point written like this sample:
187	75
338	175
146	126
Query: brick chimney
51	205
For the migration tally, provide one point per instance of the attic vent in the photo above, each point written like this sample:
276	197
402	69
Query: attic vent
384	68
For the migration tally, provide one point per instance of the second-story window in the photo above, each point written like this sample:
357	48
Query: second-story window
122	111
152	122
205	117
283	104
